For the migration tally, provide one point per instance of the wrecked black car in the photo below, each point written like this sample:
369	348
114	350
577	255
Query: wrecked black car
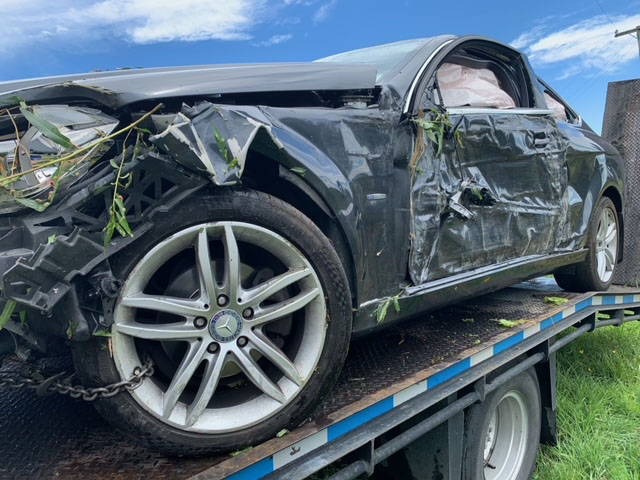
208	239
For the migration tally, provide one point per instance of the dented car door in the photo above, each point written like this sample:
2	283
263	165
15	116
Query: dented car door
496	192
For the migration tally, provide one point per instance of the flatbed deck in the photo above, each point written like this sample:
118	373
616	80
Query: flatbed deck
56	436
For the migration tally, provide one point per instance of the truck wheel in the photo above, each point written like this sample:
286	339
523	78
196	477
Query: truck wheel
244	308
595	273
502	434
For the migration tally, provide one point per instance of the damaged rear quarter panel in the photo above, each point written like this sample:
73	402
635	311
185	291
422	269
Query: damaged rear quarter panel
593	166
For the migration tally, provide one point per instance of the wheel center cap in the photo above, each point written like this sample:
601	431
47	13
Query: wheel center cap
225	326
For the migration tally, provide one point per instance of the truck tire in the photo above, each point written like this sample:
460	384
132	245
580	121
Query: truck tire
595	273
243	307
502	434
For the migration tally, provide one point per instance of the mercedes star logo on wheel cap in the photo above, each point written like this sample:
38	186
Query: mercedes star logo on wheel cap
225	326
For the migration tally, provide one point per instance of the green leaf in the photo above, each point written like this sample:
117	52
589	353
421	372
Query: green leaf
52	239
119	203
234	164
124	224
629	312
222	144
144	130
114	164
396	304
12	100
381	312
425	124
7	311
299	170
120	229
35	205
282	433
509	323
109	231
556	300
476	193
468	320
439	142
102	333
431	136
602	316
237	453
71	329
47	128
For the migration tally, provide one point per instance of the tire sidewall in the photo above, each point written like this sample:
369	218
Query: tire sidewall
477	421
95	365
590	266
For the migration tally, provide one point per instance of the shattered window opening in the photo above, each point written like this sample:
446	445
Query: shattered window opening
463	86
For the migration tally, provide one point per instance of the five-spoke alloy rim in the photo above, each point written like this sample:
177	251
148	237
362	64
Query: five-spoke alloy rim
222	329
606	244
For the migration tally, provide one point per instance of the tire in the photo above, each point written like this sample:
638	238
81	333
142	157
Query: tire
596	272
255	393
518	408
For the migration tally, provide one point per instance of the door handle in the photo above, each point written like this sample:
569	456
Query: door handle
540	140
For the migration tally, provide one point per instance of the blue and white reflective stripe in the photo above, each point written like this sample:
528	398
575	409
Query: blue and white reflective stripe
363	416
258	470
327	435
409	392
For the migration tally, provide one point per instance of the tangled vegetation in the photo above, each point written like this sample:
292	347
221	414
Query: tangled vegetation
73	157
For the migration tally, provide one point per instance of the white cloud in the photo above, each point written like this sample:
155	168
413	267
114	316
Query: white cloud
322	13
528	37
586	45
274	40
25	22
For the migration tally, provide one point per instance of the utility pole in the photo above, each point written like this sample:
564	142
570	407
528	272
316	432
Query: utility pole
631	32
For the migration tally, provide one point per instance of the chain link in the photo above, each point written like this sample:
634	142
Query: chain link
62	383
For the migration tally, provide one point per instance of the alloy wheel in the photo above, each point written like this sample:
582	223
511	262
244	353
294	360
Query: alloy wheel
235	329
606	244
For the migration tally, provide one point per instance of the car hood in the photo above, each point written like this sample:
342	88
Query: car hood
128	86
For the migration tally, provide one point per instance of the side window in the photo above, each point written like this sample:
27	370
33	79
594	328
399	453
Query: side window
482	75
561	111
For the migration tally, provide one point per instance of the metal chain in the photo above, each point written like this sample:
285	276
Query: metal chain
62	383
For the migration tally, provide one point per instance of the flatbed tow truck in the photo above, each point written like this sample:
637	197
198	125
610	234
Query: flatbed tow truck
408	386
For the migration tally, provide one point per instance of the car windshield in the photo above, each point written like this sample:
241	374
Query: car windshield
386	57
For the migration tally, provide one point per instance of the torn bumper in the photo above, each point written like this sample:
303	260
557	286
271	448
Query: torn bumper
55	263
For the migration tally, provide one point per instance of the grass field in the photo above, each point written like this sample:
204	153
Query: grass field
599	409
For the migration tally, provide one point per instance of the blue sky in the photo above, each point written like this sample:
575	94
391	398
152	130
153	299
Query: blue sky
570	43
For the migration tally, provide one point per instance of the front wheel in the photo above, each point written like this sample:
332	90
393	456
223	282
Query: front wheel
242	305
596	272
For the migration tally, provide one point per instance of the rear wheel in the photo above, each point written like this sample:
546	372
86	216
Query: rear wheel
231	297
597	270
502	434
